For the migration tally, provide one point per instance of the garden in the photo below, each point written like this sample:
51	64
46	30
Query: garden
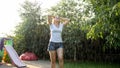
91	39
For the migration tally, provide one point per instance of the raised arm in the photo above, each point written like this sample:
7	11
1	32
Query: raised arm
65	20
49	20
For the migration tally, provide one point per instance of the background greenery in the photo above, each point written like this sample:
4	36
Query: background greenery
93	33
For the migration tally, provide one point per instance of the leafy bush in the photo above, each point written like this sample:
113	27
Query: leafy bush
91	34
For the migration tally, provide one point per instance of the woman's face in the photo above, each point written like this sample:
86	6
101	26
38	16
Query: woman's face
57	19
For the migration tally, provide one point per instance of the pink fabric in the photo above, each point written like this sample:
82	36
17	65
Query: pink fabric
28	56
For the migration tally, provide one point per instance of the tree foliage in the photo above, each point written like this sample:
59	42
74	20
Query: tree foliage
91	34
77	12
31	33
106	22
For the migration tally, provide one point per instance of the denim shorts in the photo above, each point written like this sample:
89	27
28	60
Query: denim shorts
52	46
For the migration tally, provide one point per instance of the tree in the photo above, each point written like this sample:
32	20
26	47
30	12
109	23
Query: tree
91	34
78	12
31	34
106	22
105	27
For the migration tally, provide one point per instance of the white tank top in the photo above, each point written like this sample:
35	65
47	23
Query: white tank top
56	33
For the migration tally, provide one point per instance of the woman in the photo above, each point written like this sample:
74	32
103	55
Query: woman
55	45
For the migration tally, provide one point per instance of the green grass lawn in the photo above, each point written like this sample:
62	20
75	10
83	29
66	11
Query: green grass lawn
90	65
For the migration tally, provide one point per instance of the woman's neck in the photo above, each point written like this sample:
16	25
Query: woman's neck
56	23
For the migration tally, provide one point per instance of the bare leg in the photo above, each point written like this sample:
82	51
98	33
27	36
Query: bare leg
53	58
60	57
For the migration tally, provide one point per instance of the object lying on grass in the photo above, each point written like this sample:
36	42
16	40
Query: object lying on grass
28	56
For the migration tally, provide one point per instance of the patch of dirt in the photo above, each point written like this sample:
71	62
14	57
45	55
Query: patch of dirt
30	64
